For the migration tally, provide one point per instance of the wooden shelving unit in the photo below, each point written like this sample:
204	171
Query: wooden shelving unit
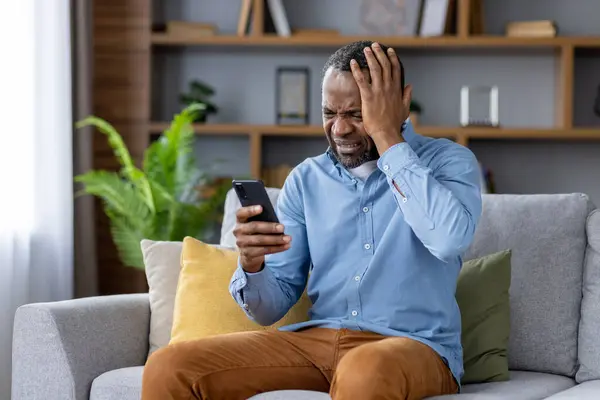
564	48
452	42
124	46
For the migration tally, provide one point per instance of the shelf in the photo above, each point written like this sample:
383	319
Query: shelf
431	131
532	133
212	129
160	39
280	130
244	129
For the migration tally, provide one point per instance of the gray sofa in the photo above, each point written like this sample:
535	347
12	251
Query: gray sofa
95	348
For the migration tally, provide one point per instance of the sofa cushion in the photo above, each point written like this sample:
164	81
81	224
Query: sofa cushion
589	344
161	261
122	384
126	384
203	305
584	391
482	296
522	385
547	236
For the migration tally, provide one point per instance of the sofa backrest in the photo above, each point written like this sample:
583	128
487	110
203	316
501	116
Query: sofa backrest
547	236
589	326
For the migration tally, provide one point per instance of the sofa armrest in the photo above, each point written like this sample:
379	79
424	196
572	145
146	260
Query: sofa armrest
59	348
589	390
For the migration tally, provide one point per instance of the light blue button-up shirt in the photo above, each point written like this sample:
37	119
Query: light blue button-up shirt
384	254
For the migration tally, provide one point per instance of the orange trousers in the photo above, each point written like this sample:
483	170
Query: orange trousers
347	364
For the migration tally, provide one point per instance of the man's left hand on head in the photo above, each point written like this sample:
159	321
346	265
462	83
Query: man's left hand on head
385	105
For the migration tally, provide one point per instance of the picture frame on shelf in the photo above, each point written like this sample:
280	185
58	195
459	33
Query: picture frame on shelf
390	17
437	17
292	95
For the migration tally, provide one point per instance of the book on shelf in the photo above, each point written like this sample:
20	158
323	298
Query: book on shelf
276	12
545	28
477	21
244	25
437	18
275	19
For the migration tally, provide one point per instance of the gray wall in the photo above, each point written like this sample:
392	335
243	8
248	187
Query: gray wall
244	79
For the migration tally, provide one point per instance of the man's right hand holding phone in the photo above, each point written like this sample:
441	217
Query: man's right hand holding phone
256	239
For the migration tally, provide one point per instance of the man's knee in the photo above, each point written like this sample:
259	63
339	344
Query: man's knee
364	369
175	368
163	365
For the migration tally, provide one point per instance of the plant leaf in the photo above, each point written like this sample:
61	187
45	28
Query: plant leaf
120	196
162	197
114	139
127	240
158	228
169	159
128	169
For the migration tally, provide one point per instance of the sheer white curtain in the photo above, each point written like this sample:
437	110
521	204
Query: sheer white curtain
36	200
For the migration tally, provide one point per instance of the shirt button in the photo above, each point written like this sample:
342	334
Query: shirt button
367	246
404	199
357	278
354	313
365	209
245	306
353	180
386	167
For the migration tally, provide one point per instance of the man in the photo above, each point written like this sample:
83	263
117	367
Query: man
379	222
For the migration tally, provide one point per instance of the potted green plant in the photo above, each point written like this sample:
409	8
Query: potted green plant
415	111
160	200
199	93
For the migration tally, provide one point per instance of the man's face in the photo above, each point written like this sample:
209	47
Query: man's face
342	120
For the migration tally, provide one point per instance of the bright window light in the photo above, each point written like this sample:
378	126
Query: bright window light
17	115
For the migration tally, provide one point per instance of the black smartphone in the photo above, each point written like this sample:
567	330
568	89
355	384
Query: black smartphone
252	192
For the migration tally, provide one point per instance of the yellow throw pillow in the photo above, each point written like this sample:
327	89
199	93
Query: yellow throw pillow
203	305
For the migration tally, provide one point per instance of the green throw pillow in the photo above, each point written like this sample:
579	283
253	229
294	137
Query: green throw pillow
483	299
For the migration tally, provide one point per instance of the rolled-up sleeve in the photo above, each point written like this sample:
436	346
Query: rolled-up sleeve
442	201
266	296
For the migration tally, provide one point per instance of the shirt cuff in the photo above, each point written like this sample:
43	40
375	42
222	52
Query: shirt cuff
396	158
238	283
247	286
258	280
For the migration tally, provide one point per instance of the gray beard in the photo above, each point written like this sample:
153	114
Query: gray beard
357	162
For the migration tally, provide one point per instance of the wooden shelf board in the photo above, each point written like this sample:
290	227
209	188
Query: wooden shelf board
590	42
161	39
216	129
529	133
432	131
